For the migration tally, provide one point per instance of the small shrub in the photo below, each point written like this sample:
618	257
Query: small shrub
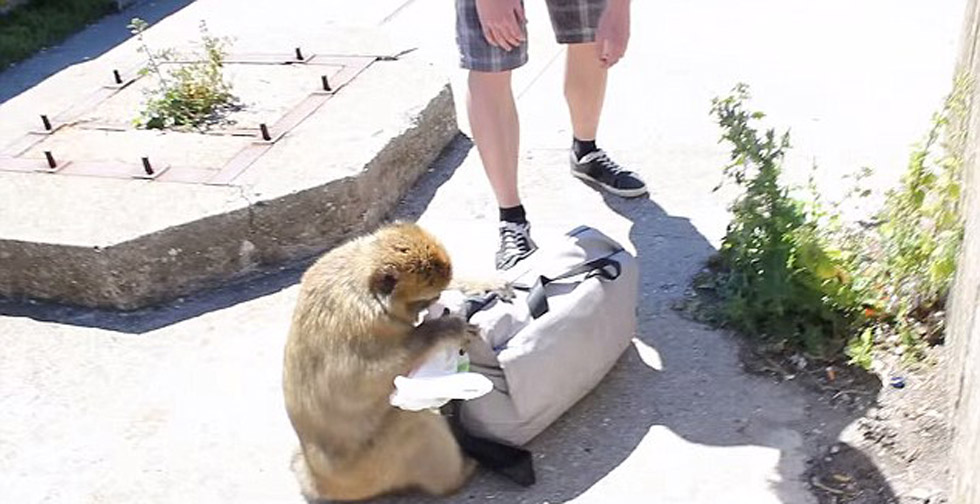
188	94
907	260
799	276
778	278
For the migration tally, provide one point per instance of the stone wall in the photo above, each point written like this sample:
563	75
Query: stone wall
964	312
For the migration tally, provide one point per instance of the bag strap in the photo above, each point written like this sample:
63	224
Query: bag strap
537	298
475	303
515	463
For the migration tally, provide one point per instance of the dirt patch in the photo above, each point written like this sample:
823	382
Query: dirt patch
880	437
872	437
907	433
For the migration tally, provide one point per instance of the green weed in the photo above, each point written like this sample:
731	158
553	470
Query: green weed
798	276
188	94
778	278
907	260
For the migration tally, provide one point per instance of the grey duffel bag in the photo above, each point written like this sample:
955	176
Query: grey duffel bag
574	315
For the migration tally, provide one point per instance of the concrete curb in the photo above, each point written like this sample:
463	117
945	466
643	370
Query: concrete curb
184	258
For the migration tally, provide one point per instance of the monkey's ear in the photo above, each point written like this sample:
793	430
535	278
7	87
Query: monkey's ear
383	280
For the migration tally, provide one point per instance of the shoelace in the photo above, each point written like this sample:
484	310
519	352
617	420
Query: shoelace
513	238
609	164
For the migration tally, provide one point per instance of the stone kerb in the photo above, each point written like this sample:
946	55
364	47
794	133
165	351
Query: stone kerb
100	230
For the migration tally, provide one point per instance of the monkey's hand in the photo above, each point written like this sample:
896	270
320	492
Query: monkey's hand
472	334
429	336
433	332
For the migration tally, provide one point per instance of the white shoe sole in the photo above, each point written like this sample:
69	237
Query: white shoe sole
625	193
519	259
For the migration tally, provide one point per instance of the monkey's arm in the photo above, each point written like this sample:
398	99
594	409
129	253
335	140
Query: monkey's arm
421	342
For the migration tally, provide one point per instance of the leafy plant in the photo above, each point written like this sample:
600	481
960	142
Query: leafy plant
779	278
800	276
860	349
907	262
188	94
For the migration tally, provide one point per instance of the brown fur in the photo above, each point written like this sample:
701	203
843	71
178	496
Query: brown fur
352	333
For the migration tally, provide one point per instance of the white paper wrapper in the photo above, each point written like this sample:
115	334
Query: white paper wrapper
445	375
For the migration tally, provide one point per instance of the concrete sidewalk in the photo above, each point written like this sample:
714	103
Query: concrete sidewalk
183	403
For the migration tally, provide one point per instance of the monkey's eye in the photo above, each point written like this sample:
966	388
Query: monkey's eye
401	250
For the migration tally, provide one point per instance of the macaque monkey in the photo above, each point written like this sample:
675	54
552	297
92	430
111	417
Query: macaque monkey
354	329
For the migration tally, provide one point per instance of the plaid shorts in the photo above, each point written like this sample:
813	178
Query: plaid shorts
574	21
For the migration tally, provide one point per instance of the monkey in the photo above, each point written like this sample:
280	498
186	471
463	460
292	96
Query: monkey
354	329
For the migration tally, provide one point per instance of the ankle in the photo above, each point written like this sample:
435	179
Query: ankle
513	214
583	147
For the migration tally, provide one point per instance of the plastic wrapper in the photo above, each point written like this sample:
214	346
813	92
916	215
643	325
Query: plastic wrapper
445	375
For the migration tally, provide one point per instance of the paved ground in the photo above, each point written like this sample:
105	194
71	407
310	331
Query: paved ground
182	404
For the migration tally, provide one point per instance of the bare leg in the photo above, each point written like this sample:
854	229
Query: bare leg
496	130
585	89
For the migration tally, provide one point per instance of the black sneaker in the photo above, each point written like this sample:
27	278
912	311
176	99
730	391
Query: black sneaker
596	167
515	244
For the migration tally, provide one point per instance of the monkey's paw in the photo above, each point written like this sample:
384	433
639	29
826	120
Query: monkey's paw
442	328
503	289
471	334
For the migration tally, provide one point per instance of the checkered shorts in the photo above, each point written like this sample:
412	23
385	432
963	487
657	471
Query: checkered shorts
574	21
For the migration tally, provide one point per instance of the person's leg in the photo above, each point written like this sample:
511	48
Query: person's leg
496	131
575	23
585	90
495	126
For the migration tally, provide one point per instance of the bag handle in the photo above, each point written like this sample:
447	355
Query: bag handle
474	304
537	299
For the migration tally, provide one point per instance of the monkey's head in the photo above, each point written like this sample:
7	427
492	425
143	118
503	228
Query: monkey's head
411	267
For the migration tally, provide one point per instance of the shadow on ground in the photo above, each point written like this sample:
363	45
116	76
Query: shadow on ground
252	286
670	252
682	380
88	44
657	419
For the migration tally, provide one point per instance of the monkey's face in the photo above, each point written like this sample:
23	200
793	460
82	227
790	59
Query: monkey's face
412	269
